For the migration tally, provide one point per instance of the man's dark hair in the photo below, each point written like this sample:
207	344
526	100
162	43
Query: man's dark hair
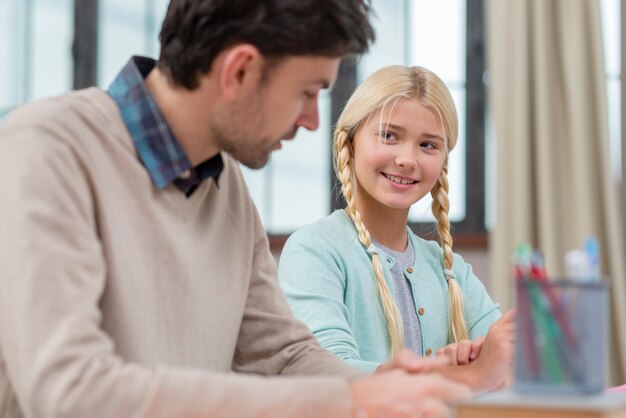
194	32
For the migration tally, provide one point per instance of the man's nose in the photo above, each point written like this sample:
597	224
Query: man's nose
309	118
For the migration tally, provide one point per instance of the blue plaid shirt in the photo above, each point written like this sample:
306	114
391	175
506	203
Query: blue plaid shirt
156	144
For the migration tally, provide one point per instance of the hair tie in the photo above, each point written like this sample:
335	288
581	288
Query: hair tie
371	250
449	274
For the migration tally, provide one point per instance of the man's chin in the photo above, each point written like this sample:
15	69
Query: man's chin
254	163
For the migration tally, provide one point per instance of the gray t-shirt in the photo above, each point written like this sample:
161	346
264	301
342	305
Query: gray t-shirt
404	296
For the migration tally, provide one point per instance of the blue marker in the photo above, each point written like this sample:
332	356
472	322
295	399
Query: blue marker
592	249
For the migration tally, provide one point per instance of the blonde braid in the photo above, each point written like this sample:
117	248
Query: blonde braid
344	171
457	327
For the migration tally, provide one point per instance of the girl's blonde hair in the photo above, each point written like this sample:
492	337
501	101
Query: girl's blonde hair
382	89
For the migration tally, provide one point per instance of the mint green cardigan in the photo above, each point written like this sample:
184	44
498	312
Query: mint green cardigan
329	282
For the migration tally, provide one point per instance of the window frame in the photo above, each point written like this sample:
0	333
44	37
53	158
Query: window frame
469	232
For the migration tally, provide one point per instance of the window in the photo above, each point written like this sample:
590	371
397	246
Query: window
298	185
126	28
610	15
35	50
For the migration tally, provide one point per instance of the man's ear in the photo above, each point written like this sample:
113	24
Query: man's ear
242	65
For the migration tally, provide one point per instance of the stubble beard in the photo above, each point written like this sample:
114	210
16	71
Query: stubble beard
243	149
237	135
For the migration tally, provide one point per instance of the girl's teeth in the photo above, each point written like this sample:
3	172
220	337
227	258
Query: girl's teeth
399	180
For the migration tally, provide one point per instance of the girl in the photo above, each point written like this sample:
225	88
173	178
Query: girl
360	279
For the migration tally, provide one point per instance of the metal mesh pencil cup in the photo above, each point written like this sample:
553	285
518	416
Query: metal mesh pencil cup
561	336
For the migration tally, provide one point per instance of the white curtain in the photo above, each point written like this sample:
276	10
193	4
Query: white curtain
547	99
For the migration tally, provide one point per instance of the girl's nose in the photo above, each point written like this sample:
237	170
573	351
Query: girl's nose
406	161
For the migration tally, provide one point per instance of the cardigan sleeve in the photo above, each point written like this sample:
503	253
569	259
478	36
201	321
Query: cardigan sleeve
313	278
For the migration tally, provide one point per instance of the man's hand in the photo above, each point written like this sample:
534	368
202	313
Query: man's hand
398	394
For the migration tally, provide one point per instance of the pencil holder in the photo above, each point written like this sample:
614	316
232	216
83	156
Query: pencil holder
561	336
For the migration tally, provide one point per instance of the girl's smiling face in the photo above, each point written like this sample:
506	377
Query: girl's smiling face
398	155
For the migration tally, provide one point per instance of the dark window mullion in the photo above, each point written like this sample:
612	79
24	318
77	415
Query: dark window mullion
475	122
341	92
29	47
85	46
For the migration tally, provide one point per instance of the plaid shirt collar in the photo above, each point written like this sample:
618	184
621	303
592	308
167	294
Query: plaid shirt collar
156	144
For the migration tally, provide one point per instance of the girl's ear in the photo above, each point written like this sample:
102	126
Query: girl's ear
241	66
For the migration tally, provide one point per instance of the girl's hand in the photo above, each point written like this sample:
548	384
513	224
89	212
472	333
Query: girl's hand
462	352
484	364
493	367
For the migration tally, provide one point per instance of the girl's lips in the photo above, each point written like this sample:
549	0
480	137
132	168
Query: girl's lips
399	185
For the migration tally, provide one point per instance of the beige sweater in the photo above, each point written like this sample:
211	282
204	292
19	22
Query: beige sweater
119	300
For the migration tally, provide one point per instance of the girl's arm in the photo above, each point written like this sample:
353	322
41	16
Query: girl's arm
312	277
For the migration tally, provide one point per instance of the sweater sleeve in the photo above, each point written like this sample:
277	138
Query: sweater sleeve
271	340
312	276
58	359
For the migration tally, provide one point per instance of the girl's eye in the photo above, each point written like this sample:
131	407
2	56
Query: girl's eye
387	136
309	94
429	145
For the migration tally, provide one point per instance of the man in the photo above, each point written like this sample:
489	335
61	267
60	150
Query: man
135	275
